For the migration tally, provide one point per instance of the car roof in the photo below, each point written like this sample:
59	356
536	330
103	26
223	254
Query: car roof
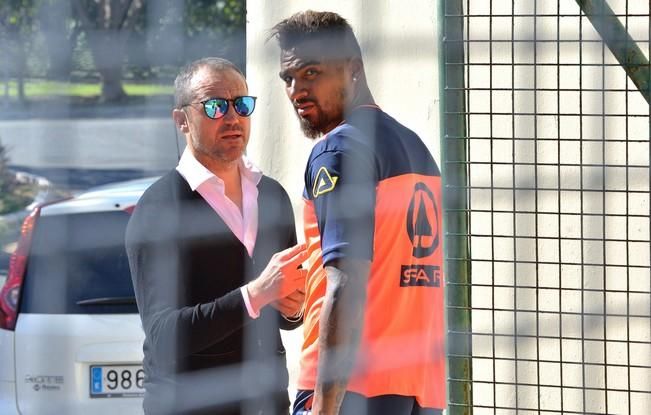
109	197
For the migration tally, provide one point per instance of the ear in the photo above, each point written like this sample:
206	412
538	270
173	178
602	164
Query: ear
181	120
356	69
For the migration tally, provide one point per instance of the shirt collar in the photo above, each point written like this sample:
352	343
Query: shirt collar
250	170
196	173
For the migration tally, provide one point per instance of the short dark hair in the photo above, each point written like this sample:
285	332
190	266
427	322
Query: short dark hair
182	93
327	27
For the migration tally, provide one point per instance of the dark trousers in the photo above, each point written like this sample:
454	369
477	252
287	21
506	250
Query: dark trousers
356	404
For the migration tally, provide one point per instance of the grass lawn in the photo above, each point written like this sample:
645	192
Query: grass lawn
42	88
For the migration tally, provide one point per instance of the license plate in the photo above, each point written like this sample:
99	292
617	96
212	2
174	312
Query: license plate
116	381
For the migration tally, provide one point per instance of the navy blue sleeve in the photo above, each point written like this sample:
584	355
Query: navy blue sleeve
341	183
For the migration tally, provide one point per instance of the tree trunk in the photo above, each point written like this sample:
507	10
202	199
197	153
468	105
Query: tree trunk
112	90
21	88
106	38
107	47
54	20
21	68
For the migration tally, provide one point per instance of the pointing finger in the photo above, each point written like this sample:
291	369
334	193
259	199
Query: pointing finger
296	259
291	252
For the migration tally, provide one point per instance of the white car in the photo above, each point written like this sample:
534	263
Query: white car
70	334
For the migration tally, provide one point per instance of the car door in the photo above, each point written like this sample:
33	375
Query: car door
78	337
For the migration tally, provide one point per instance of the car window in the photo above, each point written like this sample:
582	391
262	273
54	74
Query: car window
77	264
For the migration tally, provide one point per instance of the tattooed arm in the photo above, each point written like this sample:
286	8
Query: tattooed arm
342	318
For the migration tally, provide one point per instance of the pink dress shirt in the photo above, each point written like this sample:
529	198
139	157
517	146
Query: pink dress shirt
244	225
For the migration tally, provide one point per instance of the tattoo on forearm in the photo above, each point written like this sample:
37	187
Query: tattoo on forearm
342	321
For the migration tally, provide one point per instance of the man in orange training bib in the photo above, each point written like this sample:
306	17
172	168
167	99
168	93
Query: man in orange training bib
373	322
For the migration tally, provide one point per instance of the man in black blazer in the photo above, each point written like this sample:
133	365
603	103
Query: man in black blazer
214	261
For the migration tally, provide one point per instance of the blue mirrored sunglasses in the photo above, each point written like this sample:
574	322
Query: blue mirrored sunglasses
216	108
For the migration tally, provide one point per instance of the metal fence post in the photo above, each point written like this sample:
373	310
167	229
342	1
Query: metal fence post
454	176
626	51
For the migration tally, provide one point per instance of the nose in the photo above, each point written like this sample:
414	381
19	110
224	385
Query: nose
296	90
231	116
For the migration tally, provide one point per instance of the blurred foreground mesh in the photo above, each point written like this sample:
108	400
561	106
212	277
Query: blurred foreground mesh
555	156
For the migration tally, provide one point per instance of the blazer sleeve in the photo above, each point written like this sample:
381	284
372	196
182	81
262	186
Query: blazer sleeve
172	330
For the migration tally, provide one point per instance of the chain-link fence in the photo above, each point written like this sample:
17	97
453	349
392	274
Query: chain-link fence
547	202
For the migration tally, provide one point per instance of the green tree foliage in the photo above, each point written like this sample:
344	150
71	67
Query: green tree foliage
118	38
179	31
220	24
13	195
16	30
107	25
215	18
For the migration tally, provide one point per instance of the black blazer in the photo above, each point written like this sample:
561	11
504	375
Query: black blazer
202	351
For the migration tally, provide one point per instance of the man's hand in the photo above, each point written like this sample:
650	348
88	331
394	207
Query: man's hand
280	278
292	305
